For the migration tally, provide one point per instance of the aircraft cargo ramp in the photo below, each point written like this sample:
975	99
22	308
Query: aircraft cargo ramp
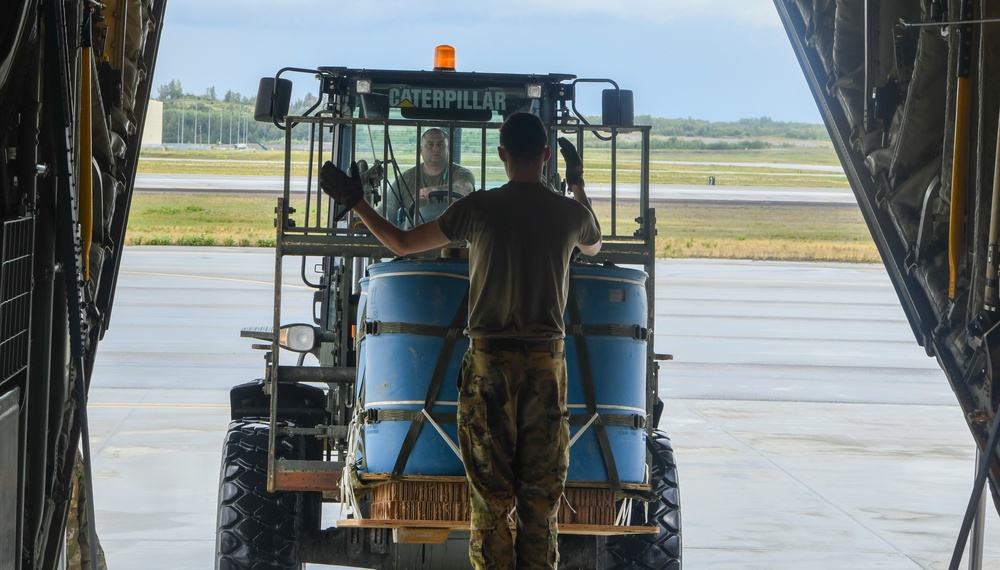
74	85
909	93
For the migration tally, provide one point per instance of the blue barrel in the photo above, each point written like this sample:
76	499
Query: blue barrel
399	366
612	307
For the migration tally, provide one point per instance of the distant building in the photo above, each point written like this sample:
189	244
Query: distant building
152	133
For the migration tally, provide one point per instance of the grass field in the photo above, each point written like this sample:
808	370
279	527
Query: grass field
711	230
788	232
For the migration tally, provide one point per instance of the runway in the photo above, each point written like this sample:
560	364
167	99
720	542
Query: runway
658	192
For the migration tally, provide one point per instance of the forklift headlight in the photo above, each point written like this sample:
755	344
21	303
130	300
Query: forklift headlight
298	338
363	86
534	91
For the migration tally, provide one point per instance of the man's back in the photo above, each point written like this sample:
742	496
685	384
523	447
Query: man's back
521	237
513	423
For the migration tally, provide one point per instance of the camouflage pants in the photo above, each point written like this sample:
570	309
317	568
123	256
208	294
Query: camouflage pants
78	555
513	430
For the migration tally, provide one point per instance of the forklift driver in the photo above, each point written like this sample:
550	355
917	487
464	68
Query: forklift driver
430	183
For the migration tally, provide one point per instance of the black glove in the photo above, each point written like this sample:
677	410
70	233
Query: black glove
574	166
345	190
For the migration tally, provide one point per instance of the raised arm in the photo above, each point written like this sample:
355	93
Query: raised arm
574	180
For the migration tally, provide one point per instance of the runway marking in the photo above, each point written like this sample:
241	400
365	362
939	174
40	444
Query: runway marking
729	279
216	160
150	406
234	279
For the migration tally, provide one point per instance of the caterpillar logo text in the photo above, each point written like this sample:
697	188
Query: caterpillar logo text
448	98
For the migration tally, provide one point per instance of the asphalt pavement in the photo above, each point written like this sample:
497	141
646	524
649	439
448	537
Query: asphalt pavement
658	192
809	428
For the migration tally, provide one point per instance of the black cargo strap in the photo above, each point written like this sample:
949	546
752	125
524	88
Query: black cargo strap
447	346
382	327
376	415
635	421
589	397
634	331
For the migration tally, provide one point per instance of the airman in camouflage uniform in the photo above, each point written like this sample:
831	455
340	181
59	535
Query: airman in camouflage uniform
513	424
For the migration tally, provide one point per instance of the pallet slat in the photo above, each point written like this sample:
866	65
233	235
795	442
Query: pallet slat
443	502
595	530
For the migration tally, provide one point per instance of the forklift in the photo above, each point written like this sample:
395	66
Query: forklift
345	452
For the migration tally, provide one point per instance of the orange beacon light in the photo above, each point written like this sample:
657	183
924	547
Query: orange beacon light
444	58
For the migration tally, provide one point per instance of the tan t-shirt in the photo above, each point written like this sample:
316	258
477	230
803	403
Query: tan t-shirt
521	237
401	194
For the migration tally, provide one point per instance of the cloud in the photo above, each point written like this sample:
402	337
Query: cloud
335	16
378	14
751	12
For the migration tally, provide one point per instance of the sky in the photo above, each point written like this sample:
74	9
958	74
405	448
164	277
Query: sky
718	60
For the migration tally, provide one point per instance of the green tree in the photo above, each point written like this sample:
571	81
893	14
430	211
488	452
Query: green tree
301	105
170	91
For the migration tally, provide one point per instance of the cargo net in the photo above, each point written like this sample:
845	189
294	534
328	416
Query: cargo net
390	153
16	267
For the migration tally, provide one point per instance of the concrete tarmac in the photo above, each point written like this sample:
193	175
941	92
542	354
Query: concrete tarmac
809	428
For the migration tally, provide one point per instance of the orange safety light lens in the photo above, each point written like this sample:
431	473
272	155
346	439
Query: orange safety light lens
444	58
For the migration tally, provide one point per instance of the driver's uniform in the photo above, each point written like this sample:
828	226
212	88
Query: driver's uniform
399	202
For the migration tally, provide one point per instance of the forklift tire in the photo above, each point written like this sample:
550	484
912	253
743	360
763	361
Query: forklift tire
257	529
648	551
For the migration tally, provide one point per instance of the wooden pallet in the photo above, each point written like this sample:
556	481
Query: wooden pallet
423	509
420	531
